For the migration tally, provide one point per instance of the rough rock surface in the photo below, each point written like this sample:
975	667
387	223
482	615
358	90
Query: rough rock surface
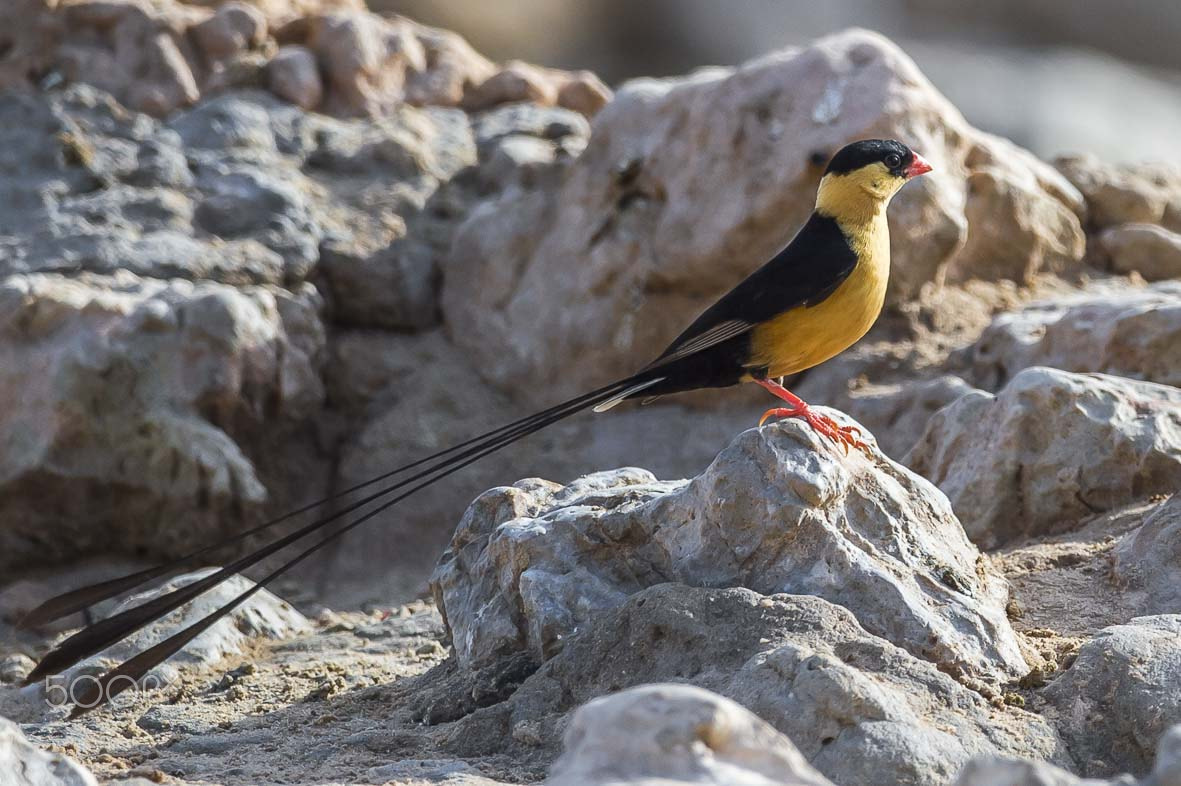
1130	332
254	202
1120	695
859	709
232	303
671	734
157	56
987	771
688	185
149	389
1152	251
1050	449
1148	560
1126	193
24	764
777	511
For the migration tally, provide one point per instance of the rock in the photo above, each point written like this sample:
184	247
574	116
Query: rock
987	771
777	511
144	408
709	175
293	76
1126	193
516	82
392	288
674	734
1120	695
1050	449
1152	251
14	668
584	93
157	56
858	708
264	616
897	414
363	62
455	69
1128	332
132	50
1167	770
233	28
24	764
1148	560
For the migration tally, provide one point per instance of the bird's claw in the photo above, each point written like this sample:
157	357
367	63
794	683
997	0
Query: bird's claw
845	436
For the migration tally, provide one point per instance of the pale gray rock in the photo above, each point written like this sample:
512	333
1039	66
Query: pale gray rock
661	735
1010	772
161	394
897	414
1167	769
779	510
1148	559
24	764
1122	693
858	708
687	185
1126	193
1152	251
227	123
1129	332
1050	449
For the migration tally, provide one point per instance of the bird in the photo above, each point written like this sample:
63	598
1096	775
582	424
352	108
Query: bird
812	300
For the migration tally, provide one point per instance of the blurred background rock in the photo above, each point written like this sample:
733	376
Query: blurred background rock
1052	75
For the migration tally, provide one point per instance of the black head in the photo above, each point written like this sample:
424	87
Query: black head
896	157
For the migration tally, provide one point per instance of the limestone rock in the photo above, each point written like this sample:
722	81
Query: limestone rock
777	511
1148	559
674	734
897	414
858	708
688	185
1130	332
293	76
1050	449
1152	251
1122	693
138	408
24	764
987	771
233	28
1126	193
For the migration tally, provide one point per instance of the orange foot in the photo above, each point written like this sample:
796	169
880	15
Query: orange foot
845	436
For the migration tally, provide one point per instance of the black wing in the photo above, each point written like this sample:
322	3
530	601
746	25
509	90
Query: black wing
714	350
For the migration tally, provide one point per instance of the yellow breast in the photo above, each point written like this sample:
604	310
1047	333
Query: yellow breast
806	336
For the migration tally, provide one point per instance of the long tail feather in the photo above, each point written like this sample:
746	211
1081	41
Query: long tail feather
84	597
106	632
130	672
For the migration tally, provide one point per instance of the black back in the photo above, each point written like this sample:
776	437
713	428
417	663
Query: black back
804	273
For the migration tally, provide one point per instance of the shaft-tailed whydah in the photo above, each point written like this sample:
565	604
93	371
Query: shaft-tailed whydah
811	301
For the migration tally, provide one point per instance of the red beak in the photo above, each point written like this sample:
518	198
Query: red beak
917	167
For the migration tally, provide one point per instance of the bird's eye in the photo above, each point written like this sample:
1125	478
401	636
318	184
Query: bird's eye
893	160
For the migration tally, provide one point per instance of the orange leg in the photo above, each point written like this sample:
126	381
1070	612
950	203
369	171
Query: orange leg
845	436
